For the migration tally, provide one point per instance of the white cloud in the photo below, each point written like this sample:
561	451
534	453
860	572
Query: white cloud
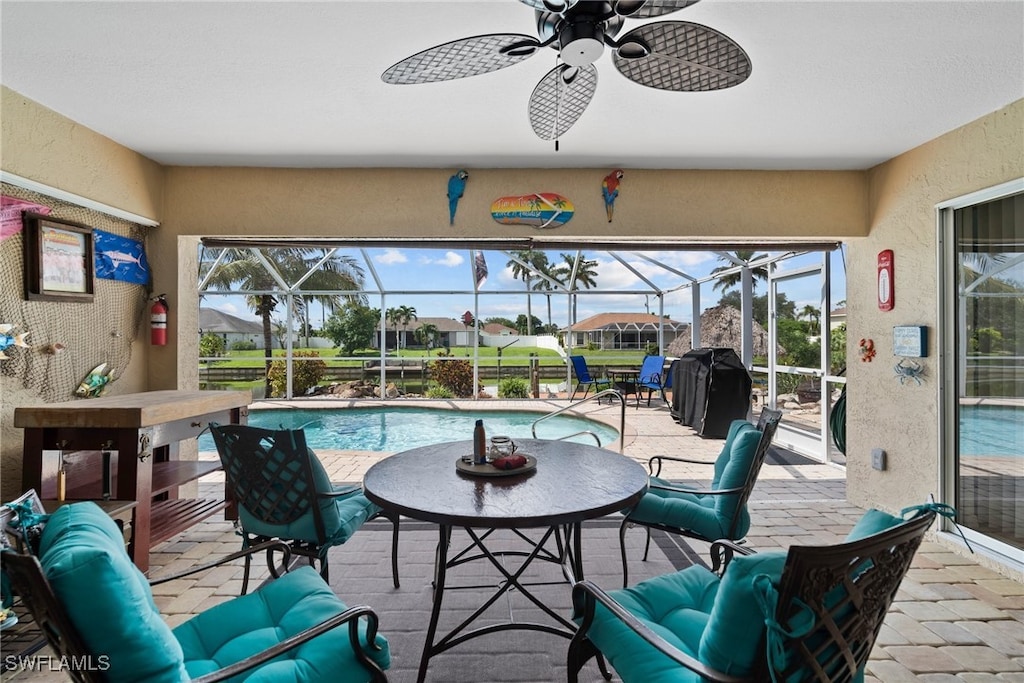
391	256
450	260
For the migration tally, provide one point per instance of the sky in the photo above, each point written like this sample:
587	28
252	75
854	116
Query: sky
422	278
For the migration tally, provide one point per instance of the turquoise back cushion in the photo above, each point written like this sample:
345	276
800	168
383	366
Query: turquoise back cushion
723	456
741	456
871	522
734	638
106	597
244	626
342	515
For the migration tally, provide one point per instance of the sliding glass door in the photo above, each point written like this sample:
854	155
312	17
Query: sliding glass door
985	325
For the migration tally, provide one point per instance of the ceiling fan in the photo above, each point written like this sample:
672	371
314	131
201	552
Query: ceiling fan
668	55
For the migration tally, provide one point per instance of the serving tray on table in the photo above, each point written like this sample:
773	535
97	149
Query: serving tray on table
489	470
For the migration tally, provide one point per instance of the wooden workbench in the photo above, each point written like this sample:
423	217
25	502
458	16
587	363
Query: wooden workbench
139	433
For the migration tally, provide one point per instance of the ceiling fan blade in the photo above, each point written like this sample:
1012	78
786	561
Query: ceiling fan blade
646	9
556	6
462	58
560	98
683	56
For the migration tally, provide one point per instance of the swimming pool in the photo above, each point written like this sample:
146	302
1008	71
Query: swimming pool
992	430
398	429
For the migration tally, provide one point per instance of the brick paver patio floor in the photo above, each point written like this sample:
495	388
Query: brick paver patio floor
954	620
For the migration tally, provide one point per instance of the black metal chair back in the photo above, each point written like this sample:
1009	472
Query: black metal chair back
848	590
34	590
268	472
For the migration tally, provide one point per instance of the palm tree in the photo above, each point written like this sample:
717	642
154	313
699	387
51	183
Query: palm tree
733	279
524	265
406	314
586	275
246	270
812	314
392	316
426	333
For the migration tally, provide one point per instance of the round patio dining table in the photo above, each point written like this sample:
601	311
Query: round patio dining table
571	483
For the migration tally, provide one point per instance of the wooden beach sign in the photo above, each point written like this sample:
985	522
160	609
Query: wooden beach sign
541	210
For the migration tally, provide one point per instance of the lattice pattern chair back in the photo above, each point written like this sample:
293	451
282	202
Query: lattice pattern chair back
268	472
832	601
284	493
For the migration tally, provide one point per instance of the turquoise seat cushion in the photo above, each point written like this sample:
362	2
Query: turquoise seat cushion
706	515
342	515
675	606
734	638
106	597
244	626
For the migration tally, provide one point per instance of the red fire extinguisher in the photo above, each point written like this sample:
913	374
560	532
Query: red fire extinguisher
158	321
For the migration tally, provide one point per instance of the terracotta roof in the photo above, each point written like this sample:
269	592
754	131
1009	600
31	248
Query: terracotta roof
620	321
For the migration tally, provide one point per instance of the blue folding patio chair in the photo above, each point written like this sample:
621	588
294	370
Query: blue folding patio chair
583	378
653	378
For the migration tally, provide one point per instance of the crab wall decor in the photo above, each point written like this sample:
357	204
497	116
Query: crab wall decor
866	349
909	370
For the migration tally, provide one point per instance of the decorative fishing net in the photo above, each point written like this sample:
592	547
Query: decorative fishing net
91	333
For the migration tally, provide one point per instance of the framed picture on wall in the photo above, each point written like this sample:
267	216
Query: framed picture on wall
58	259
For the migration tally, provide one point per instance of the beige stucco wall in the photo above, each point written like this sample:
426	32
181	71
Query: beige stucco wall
46	148
41	145
411	203
882	413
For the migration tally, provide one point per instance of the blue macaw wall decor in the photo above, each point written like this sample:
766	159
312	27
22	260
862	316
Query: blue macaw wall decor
456	187
610	190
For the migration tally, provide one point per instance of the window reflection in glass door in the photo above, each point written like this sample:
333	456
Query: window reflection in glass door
989	243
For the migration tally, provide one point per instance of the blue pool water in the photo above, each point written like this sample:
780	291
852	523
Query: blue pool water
992	430
399	429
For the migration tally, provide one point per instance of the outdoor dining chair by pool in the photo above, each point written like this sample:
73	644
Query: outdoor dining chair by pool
810	614
719	512
584	379
96	610
653	377
283	493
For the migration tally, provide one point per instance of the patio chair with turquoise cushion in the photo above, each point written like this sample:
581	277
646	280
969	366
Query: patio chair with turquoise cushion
812	614
97	612
653	378
719	512
584	378
284	494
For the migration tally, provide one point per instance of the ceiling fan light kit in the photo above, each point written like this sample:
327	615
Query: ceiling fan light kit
677	56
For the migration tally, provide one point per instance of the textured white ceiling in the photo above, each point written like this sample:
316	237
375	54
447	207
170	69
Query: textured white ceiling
835	84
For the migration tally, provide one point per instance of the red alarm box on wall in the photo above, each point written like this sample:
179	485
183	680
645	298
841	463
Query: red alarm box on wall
886	283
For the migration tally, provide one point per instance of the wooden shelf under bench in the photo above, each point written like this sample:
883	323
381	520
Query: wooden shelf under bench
139	435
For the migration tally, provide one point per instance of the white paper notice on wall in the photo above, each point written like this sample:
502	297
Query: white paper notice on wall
910	341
